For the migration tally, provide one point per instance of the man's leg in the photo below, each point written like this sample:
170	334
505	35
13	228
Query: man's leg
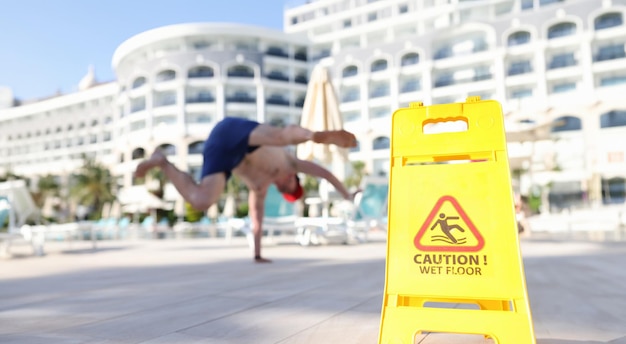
200	196
265	134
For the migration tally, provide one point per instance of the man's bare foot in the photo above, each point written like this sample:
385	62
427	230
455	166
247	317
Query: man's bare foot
157	159
340	138
258	259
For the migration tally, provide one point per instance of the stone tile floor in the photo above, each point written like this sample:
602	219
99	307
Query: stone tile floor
208	291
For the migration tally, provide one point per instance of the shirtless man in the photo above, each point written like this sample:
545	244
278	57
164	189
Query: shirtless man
254	152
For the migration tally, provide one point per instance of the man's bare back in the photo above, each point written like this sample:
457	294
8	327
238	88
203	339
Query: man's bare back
262	167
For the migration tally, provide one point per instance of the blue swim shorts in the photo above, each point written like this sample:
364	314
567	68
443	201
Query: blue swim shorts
227	145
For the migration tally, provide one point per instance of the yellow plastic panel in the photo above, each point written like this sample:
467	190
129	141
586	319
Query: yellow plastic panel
452	234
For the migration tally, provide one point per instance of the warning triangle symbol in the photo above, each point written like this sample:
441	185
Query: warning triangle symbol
448	228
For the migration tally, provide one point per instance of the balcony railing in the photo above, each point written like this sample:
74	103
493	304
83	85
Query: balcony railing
610	53
200	99
301	79
562	61
300	56
241	74
410	86
278	52
277	76
240	99
449	80
277	101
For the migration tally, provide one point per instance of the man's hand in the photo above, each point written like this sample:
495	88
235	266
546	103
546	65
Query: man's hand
340	138
157	159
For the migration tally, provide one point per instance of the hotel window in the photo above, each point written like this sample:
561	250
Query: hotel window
379	65
409	85
564	87
347	23
200	72
168	149
138	153
566	123
164	120
379	112
301	79
372	16
519	67
610	52
137	104
350	71
276	51
403	8
164	98
614	118
561	30
350	94
351	116
443	52
277	75
443	80
277	99
381	142
522	93
241	72
199	45
562	60
379	89
195	147
299	101
518	38
137	125
548	2
608	20
356	148
140	81
166	75
198	118
410	59
241	97
300	55
613	80
527	4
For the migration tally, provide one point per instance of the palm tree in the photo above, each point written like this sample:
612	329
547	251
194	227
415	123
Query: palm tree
48	186
358	172
92	185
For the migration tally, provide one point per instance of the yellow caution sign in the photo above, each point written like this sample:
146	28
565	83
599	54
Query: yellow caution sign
453	259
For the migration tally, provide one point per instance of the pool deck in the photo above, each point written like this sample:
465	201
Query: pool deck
210	291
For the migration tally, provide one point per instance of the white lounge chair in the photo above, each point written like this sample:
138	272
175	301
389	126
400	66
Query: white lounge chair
370	212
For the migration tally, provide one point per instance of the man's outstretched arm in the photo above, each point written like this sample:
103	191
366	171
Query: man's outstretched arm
267	135
256	209
316	170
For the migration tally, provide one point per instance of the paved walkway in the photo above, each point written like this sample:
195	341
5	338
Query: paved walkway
204	291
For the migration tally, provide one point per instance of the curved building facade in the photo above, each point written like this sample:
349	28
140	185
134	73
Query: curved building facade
176	82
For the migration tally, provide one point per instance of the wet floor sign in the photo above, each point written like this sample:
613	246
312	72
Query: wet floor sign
453	258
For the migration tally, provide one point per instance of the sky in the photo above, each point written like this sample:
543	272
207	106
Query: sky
47	46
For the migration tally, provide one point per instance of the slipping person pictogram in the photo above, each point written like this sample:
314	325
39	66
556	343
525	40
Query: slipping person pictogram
446	228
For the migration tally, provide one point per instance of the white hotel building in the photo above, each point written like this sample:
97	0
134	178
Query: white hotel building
559	66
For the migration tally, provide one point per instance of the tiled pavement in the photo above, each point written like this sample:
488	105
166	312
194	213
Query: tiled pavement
207	291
